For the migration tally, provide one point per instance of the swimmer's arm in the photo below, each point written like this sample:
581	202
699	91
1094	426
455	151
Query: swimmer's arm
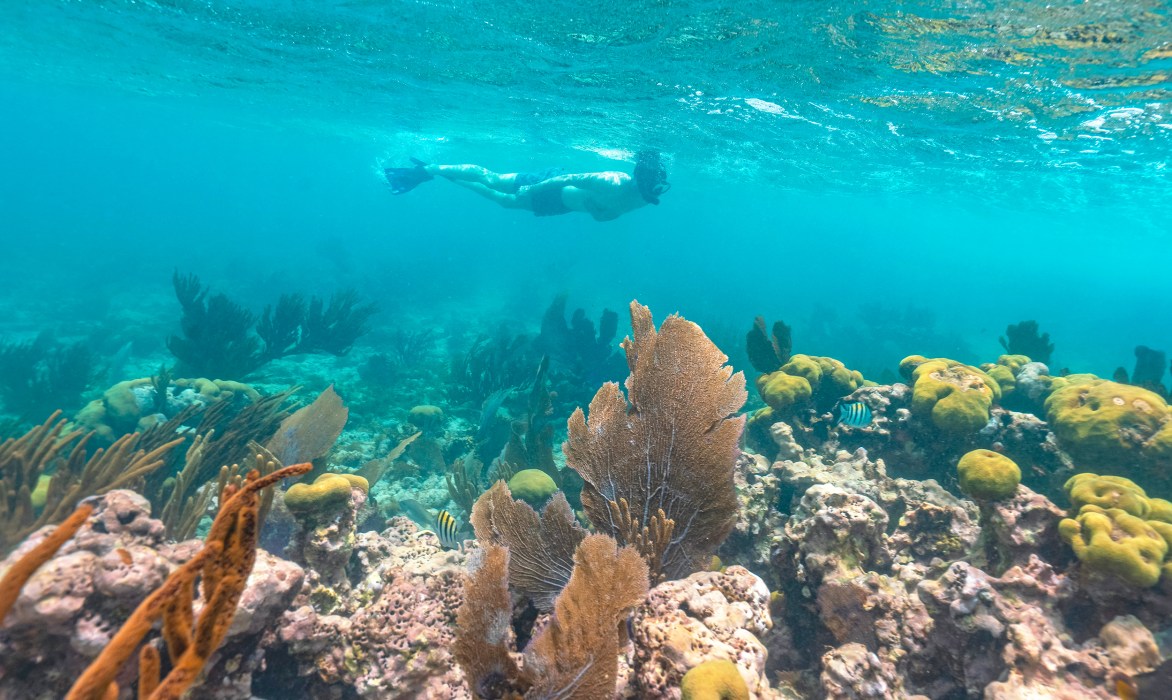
596	182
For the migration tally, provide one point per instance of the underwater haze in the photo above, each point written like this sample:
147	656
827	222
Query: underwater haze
976	163
832	365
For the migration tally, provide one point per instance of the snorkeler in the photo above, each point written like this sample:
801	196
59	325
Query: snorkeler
605	196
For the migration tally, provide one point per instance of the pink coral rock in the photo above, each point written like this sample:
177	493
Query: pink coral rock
75	603
709	615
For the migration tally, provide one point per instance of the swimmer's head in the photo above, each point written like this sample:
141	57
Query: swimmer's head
651	176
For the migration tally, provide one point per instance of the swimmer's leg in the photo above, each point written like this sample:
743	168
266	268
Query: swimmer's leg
476	175
506	200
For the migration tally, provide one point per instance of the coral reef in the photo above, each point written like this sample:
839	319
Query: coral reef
71	608
956	396
389	633
686	624
1107	424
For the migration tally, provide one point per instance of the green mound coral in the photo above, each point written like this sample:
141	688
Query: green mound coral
955	396
1116	529
988	476
1107	492
1116	542
327	494
805	378
132	405
1108	423
427	418
1005	371
716	679
533	486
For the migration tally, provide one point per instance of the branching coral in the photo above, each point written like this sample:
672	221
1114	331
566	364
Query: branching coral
1023	339
39	375
672	448
768	351
219	340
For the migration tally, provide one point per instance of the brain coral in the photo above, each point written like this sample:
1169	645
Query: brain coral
715	679
807	377
328	493
988	476
1110	424
955	396
1113	541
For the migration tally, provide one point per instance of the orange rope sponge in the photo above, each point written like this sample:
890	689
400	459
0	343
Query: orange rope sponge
224	565
27	565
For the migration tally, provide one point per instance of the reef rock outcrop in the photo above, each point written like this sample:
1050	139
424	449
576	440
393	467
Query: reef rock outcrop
711	615
72	606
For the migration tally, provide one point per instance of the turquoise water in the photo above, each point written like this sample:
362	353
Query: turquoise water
890	178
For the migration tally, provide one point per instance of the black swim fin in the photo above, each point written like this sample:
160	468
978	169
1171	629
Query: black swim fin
403	180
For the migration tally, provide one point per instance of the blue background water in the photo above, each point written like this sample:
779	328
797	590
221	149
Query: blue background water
890	178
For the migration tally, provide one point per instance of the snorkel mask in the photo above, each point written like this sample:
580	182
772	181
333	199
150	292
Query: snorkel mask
651	176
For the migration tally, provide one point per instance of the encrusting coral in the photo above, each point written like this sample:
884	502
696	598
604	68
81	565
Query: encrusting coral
679	386
1108	424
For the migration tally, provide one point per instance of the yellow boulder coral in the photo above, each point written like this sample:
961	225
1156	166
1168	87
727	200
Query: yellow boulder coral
119	411
988	476
532	486
823	380
328	493
426	417
1160	510
955	396
716	679
1104	422
782	391
1113	541
1107	492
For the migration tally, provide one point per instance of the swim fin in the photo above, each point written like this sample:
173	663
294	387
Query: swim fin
403	180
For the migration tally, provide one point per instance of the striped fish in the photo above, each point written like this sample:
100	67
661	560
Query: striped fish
448	530
856	414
